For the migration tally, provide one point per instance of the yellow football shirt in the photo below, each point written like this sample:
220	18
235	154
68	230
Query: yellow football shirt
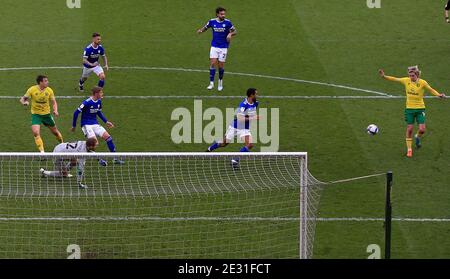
40	100
415	91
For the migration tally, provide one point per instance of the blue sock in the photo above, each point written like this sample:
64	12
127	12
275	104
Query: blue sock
213	146
110	143
101	83
212	73
221	72
81	82
244	149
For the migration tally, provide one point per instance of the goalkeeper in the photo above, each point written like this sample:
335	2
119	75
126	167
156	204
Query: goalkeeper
63	166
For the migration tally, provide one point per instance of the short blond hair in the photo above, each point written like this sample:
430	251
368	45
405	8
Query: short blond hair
414	69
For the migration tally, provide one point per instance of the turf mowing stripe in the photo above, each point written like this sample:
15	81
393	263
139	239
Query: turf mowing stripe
206	71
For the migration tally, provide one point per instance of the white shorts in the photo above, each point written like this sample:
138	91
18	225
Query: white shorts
233	132
93	131
63	165
87	71
219	53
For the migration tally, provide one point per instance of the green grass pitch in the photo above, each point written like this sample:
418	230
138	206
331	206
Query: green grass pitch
338	42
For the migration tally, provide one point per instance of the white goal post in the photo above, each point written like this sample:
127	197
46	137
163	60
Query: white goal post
158	205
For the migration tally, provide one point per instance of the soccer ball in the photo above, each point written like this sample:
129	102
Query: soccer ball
372	129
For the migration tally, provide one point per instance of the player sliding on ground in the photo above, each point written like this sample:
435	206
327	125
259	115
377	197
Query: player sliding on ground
415	106
63	166
90	109
223	30
91	56
41	95
240	127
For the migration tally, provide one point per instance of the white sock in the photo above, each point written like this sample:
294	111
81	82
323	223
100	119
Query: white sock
53	173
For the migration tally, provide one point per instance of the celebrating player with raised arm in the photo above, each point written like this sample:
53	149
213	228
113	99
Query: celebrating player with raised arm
91	56
223	31
41	95
90	109
415	106
63	166
240	127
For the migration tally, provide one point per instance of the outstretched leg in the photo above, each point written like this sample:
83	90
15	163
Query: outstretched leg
56	133
216	145
112	147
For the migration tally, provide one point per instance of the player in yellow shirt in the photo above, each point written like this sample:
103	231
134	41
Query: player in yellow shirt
40	96
415	107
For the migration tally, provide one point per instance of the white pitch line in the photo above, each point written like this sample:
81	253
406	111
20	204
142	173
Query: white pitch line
221	219
205	71
229	97
363	219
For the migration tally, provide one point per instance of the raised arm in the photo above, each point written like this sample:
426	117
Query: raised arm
381	72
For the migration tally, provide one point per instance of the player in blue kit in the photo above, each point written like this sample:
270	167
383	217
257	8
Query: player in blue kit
91	56
222	30
240	127
90	109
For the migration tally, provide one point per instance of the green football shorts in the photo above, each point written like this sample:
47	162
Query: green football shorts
46	119
413	115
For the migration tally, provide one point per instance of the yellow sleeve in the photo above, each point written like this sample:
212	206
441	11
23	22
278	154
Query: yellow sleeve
394	79
51	94
28	93
431	90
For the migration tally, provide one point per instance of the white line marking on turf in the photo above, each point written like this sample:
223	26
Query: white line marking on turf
229	97
205	71
230	219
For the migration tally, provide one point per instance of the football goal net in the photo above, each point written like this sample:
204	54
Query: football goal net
157	205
